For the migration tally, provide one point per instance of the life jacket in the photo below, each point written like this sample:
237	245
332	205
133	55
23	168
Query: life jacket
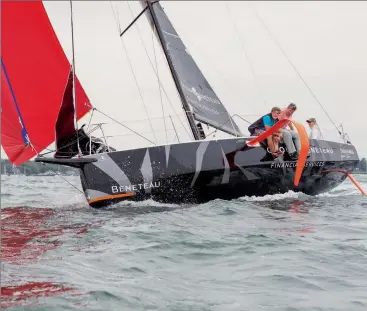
258	124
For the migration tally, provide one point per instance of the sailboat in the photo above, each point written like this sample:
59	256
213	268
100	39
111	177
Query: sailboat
42	101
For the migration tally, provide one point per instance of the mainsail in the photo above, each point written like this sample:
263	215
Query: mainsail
198	94
34	72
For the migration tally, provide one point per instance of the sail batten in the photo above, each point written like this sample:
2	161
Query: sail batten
37	69
199	96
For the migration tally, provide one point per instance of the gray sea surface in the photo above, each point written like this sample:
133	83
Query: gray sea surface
283	252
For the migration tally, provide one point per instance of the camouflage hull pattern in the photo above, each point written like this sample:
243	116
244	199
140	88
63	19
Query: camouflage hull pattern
200	171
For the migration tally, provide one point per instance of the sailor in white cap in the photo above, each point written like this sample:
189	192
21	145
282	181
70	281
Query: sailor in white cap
314	132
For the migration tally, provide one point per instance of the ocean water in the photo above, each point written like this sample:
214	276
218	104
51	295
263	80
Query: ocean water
283	252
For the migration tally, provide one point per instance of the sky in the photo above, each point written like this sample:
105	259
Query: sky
325	41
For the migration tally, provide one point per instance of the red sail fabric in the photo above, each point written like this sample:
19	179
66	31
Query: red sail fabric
37	71
65	127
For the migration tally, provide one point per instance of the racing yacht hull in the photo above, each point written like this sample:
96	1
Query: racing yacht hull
200	171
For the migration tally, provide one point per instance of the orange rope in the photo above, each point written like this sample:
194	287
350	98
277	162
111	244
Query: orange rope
305	144
305	148
350	177
267	133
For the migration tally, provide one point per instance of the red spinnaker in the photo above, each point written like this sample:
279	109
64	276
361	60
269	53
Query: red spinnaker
32	89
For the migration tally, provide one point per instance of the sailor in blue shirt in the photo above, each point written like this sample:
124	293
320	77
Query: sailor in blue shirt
268	121
265	122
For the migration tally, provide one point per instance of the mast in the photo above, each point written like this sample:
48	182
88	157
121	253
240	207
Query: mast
185	105
73	68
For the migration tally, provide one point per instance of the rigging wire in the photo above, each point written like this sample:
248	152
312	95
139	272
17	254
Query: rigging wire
240	116
294	67
243	45
153	118
164	90
68	182
132	70
156	68
90	119
159	84
234	115
198	51
129	134
174	128
64	179
124	126
65	146
118	122
94	129
212	66
344	136
74	86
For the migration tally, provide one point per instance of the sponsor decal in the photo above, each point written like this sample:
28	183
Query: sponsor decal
202	107
346	151
321	150
294	164
201	96
123	189
170	34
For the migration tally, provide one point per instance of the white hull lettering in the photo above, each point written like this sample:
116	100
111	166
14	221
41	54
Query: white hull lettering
294	164
321	150
346	151
124	189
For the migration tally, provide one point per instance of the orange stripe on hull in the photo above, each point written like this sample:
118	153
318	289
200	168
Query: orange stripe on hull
111	197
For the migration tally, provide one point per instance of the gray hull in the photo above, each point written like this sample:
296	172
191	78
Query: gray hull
201	171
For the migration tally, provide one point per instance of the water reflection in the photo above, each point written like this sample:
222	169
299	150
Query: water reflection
27	233
295	217
12	296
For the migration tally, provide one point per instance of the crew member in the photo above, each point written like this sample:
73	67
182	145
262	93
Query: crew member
265	123
290	136
315	132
